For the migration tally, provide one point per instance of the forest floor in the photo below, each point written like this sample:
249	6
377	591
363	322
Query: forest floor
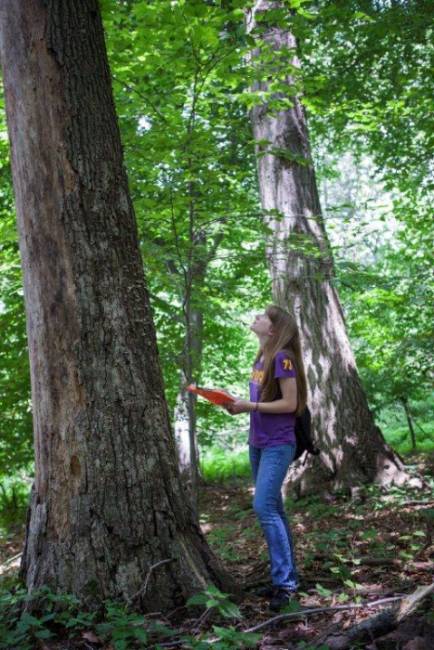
349	555
346	552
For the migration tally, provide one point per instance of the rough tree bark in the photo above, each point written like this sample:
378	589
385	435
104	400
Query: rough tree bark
107	503
353	448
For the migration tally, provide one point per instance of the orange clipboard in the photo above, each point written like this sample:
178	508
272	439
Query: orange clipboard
215	395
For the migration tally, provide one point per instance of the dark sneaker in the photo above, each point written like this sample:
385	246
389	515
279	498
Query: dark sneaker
267	591
281	598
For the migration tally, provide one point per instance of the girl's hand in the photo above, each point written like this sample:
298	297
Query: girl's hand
240	406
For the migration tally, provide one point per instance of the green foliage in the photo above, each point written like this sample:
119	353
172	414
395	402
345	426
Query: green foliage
391	326
223	638
121	627
183	88
219	465
56	616
219	539
322	590
194	190
22	630
398	438
213	598
59	616
230	638
365	73
16	425
14	497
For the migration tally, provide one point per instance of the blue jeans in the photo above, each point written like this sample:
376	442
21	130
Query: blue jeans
269	467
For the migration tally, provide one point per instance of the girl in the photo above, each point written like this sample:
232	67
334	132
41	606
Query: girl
277	395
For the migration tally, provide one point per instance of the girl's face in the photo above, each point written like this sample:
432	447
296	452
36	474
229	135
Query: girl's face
262	325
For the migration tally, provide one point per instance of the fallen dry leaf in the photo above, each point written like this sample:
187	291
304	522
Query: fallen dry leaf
91	637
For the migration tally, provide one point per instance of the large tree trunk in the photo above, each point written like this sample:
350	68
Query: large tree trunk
353	448
107	503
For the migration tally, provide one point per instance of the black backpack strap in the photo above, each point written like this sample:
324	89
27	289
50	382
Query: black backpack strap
304	434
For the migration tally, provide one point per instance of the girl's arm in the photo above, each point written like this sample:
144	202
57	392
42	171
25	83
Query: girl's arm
286	404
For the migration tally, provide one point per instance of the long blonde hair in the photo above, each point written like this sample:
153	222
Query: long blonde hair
286	338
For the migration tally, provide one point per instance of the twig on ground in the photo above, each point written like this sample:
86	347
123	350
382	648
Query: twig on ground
316	610
10	560
201	620
174	611
319	578
171	644
379	561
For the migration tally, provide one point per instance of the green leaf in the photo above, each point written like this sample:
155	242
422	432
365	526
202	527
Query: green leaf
43	634
197	599
322	590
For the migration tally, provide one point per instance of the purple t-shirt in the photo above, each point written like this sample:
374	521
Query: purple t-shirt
270	429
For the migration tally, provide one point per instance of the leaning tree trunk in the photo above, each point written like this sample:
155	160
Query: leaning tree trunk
107	511
301	265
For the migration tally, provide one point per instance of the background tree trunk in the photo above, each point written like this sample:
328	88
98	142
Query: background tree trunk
301	265
200	255
185	409
107	503
191	361
406	408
